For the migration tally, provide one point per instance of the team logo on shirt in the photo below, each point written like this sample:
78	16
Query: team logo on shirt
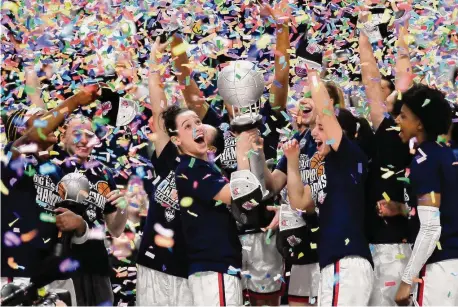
167	196
169	214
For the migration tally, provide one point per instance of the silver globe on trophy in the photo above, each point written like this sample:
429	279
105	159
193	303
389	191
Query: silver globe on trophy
73	188
241	86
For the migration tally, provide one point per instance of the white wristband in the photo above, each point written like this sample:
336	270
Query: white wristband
83	238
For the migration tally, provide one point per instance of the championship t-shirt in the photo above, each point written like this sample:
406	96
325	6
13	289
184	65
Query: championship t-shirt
339	195
303	242
92	255
164	210
28	231
435	169
209	228
386	179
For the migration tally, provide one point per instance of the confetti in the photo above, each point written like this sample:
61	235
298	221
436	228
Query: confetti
186	202
347	241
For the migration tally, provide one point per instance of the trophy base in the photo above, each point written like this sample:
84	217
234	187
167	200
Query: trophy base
246	122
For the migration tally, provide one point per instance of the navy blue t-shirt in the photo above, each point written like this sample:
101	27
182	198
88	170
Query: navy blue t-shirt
209	229
164	209
32	196
435	169
393	156
339	195
92	255
308	175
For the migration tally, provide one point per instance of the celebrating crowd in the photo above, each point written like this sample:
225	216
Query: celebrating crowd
179	153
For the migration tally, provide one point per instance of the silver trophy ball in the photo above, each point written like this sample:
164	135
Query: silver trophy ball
74	187
241	86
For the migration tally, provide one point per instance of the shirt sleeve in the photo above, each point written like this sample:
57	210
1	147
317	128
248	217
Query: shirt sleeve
199	182
425	176
282	165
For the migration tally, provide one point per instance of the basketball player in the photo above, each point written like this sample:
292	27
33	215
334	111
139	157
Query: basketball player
31	181
387	215
259	258
434	178
213	248
163	267
344	256
304	278
105	205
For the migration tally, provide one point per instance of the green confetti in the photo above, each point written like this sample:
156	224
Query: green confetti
427	101
29	89
218	203
405	179
125	260
327	112
48	218
308	94
40	134
269	233
191	163
347	241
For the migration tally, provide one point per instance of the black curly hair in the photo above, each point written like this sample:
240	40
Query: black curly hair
431	107
169	116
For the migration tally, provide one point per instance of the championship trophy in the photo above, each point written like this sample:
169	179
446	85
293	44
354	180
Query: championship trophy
241	86
73	189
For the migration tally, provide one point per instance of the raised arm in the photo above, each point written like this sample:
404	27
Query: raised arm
191	92
300	196
32	82
53	118
279	89
325	110
372	81
157	98
404	78
281	82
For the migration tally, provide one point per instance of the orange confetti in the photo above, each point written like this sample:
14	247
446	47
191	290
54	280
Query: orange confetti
26	237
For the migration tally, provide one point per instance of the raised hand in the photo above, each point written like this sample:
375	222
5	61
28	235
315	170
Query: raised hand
291	149
156	50
280	12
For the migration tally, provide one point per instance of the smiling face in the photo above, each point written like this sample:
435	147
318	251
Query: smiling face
306	115
79	139
191	135
409	123
320	138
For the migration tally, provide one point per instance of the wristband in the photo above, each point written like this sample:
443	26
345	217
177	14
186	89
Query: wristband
83	238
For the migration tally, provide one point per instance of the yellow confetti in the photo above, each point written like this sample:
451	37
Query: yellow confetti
387	174
301	254
192	213
186	202
181	48
3	189
385	196
400	256
263	41
313	245
12	223
439	246
315	229
347	241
